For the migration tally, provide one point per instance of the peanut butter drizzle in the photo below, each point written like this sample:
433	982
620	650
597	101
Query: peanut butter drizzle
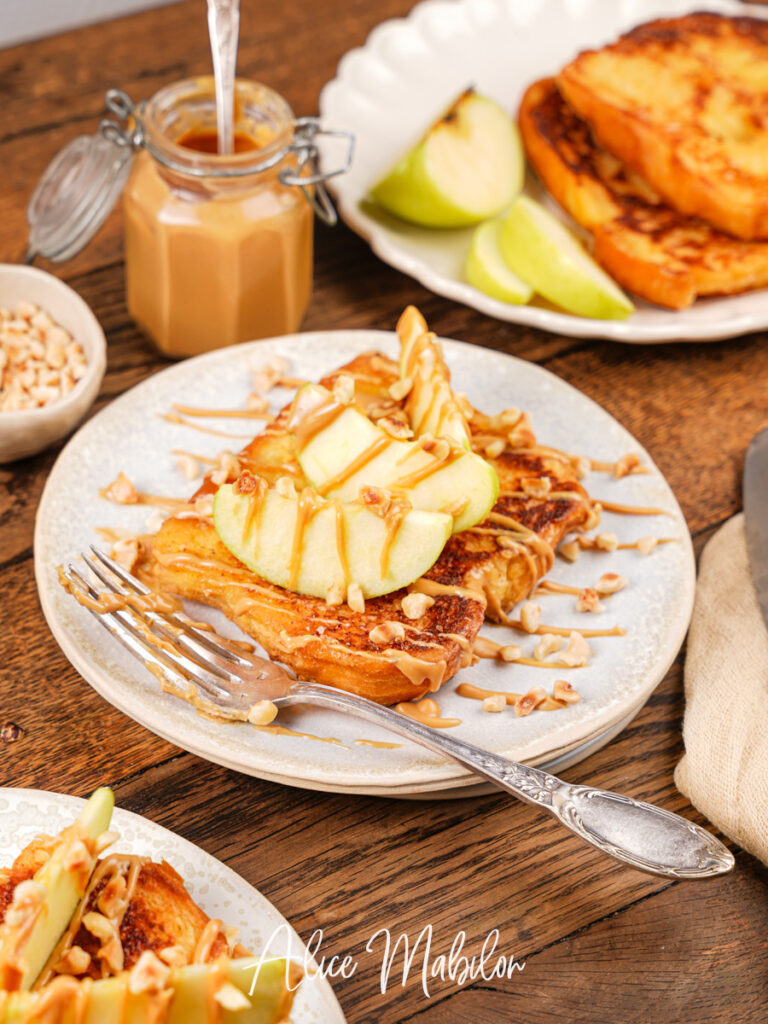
341	542
484	647
234	414
155	500
194	455
540	547
560	631
631	510
308	506
367	455
550	587
394	520
430	405
378	743
255	502
305	427
212	930
425	471
154	602
427	711
478	693
418	670
434	589
173	417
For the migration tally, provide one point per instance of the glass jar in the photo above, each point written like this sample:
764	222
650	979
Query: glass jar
218	249
211	260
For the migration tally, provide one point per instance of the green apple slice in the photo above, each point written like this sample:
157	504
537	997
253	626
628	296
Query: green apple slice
267	999
335	543
487	270
431	406
544	253
29	934
469	166
342	451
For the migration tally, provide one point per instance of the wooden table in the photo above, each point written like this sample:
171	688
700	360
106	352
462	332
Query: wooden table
601	943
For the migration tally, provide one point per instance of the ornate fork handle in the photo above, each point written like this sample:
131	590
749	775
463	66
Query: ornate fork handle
646	837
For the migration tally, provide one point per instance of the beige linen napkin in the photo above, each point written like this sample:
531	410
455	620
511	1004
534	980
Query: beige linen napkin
724	771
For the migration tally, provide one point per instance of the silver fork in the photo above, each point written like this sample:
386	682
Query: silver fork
645	837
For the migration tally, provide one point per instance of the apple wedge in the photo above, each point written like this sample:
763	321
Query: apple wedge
342	451
41	911
487	270
537	247
431	406
469	166
310	545
265	999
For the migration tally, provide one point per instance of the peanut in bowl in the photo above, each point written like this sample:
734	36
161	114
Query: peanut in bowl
53	360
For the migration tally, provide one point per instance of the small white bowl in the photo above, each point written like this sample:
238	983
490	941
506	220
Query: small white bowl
29	431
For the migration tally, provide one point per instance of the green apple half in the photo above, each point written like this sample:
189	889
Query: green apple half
25	949
431	406
469	166
487	270
378	562
537	247
464	484
111	1001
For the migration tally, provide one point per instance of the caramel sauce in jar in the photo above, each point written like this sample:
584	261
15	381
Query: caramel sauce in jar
214	257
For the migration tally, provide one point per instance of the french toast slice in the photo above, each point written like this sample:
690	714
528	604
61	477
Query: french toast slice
474	575
683	102
659	254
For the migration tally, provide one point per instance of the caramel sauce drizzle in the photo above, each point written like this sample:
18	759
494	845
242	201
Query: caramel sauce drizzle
155	500
484	647
418	670
631	510
434	589
308	507
173	417
427	712
341	542
311	423
378	743
353	467
234	414
426	471
560	631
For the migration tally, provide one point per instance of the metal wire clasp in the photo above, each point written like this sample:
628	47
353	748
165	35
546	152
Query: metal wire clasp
127	129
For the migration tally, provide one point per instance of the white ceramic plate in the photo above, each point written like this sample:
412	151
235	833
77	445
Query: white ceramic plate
130	436
26	813
390	90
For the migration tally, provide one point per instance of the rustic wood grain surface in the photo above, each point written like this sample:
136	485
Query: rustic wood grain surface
601	943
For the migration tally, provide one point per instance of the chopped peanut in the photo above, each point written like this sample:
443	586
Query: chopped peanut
548	644
126	552
262	712
401	388
625	465
335	595
589	601
122	491
570	551
344	389
415	605
173	956
610	583
563	690
75	961
494	448
496	703
386	632
189	466
285	487
530	616
577	651
510	652
229	997
148	974
606	542
536	487
355	598
646	545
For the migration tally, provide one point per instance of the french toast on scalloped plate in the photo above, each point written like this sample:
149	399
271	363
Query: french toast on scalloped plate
474	576
659	254
683	102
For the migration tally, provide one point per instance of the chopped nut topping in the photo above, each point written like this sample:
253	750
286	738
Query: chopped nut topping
75	961
344	389
148	974
610	583
530	616
563	690
415	605
126	552
262	713
510	652
401	388
625	465
497	702
227	468
112	954
435	446
570	551
465	406
386	632
99	926
494	448
589	601
581	466
122	491
335	595
174	956
285	487
530	701
593	518
189	466
456	507
577	651
355	598
548	644
204	505
257	402
503	540
112	896
646	545
267	376
77	857
606	542
155	521
105	840
229	997
536	487
247	483
395	428
28	896
376	498
40	362
384	408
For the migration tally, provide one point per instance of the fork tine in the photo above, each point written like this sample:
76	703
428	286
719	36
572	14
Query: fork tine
182	621
161	625
122	624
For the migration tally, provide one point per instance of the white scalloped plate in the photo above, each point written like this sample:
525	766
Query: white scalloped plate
26	813
388	91
131	436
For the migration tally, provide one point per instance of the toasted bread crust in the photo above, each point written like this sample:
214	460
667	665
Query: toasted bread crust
664	256
684	103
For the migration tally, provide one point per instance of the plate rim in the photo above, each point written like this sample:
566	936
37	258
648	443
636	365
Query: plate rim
427	778
552	321
140	823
